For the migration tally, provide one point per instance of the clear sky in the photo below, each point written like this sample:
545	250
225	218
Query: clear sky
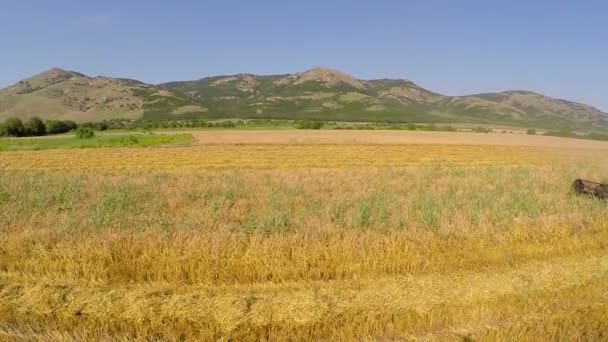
454	47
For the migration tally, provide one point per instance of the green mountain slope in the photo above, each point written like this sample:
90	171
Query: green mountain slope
326	94
319	93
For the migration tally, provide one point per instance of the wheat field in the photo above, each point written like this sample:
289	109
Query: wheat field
330	241
386	137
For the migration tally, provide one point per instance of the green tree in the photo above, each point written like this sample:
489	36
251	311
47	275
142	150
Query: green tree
102	126
308	124
69	125
317	125
302	124
34	126
13	127
228	124
430	127
85	133
58	126
55	127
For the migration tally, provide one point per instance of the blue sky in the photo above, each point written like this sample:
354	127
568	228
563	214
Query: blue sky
557	47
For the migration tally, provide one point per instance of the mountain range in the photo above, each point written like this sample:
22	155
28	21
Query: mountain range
319	93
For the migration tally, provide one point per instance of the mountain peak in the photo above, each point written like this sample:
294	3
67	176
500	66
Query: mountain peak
43	80
57	72
330	78
51	76
322	69
520	92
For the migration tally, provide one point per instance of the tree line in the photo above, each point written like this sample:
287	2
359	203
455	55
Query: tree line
35	127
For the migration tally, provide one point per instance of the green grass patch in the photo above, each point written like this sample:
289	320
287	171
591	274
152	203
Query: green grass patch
47	143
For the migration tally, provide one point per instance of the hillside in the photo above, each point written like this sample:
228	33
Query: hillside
60	94
319	93
326	94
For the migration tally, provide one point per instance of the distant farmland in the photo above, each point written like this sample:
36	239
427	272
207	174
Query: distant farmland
387	137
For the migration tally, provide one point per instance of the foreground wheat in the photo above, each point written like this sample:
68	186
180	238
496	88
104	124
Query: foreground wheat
496	249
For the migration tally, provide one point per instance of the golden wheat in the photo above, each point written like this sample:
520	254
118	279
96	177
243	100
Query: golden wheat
230	157
321	242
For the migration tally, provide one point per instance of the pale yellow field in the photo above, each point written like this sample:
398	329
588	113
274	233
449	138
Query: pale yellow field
389	137
334	242
226	157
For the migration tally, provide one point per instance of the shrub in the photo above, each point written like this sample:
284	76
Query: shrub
101	126
429	127
34	126
58	126
480	129
12	127
531	131
228	124
85	133
411	126
302	124
131	140
69	125
53	126
309	124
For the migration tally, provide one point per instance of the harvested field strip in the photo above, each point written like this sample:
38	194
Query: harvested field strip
397	307
379	137
223	157
220	259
